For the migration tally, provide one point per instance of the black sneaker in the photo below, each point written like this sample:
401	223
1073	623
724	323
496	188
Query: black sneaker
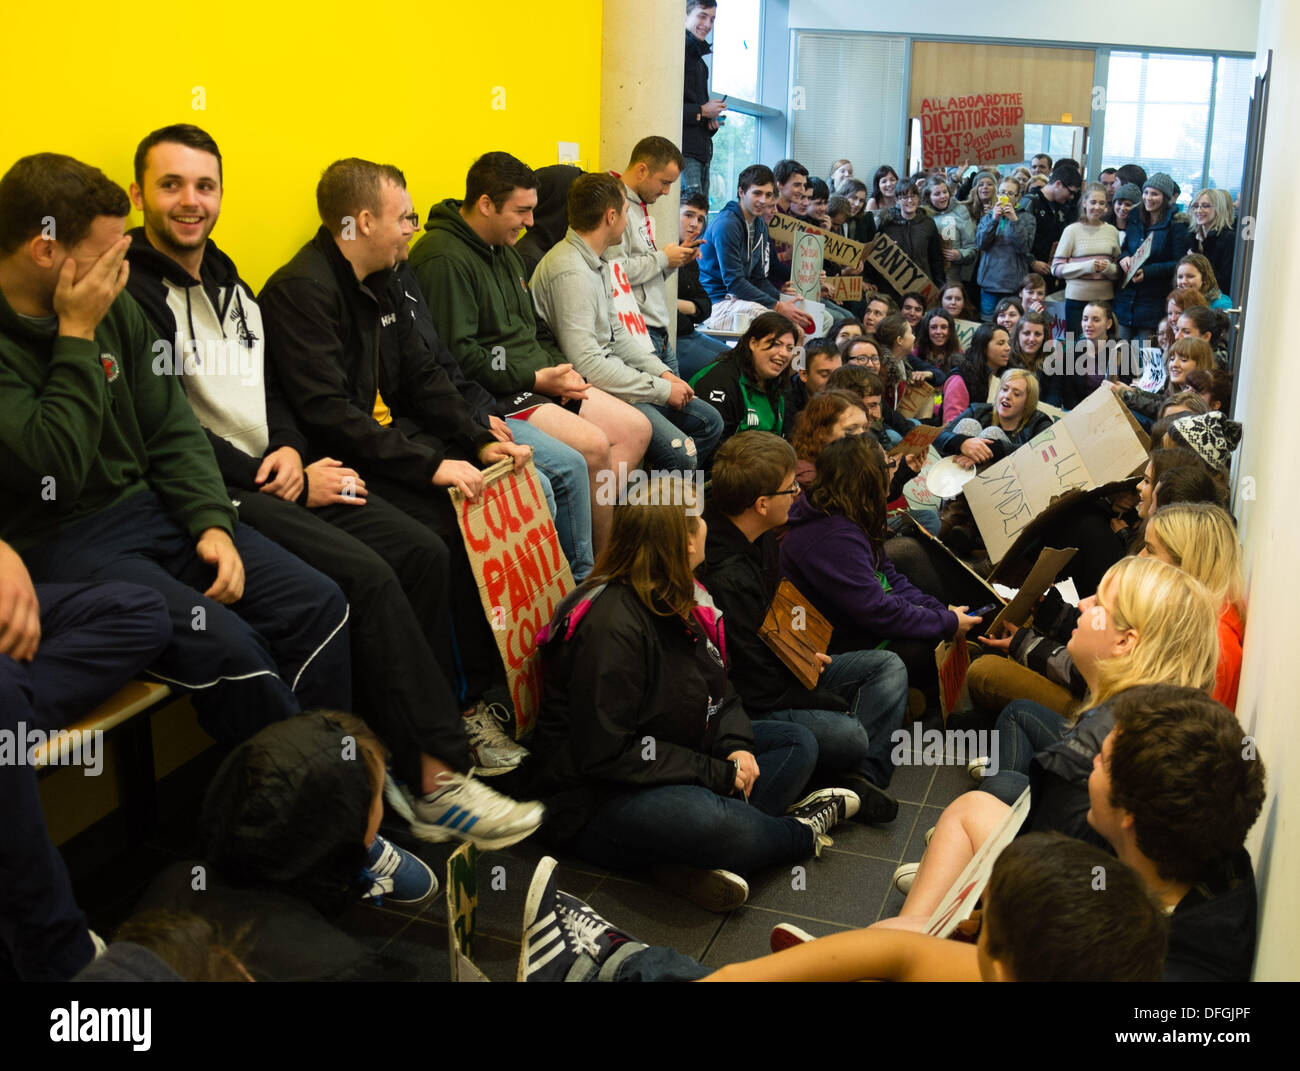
559	929
877	805
823	810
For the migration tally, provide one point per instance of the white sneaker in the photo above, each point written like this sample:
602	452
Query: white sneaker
713	890
904	876
977	768
494	752
466	809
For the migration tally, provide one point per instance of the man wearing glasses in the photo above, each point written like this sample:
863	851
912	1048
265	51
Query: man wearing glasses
1050	207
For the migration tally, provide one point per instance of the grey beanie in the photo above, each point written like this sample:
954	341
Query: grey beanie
1129	192
1162	182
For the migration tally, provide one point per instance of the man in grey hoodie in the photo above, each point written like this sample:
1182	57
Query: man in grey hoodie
582	292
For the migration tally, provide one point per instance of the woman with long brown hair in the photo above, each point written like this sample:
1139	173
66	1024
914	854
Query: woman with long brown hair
643	753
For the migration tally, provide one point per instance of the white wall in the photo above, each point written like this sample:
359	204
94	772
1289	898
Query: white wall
1196	24
1270	522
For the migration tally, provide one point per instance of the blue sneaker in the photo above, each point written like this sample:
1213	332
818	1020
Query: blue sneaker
397	875
562	937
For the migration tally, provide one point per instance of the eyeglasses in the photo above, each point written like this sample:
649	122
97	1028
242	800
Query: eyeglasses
413	218
793	492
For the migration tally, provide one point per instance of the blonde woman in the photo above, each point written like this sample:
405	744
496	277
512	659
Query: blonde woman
1214	235
1149	623
989	431
1201	540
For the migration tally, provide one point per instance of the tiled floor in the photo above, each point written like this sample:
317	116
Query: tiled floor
849	886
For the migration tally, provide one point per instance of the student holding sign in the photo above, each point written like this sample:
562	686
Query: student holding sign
914	231
1138	305
1087	256
834	553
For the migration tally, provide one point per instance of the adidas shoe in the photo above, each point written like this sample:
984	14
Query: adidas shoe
494	752
904	876
465	809
713	890
559	930
787	935
823	810
396	875
877	805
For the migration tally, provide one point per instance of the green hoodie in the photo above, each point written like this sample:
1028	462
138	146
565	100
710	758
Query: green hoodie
480	303
87	424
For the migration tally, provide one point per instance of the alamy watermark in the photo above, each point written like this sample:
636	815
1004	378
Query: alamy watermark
20	745
945	747
656	487
207	357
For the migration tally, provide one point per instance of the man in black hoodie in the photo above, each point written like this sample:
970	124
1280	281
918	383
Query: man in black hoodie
701	117
391	567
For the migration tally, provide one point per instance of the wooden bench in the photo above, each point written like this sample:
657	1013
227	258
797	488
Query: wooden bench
126	714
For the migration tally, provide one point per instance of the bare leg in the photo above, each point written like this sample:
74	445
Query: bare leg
964	825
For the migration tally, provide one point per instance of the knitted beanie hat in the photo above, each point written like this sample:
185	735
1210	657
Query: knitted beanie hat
1211	435
1129	192
1162	182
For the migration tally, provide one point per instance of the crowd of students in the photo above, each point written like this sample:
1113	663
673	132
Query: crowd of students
245	496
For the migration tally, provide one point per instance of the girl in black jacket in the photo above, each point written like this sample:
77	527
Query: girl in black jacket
643	753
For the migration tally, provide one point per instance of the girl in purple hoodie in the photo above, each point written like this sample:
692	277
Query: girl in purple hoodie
833	552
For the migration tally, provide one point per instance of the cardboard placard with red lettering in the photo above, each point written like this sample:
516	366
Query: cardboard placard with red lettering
844	288
901	272
1054	306
806	265
1096	443
986	128
953	661
838	250
521	571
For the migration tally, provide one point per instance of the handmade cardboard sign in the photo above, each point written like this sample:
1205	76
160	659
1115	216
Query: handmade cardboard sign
966	332
838	249
916	441
953	661
844	288
987	128
917	402
1139	258
1096	443
1041	577
1054	306
960	901
462	906
521	571
796	633
900	271
806	265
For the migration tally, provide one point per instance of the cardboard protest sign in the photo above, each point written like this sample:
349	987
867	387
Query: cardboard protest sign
916	441
838	249
521	571
1139	258
960	901
796	633
953	661
806	265
917	490
966	332
1054	306
1096	443
844	288
1041	577
462	906
917	402
1155	370
900	271
988	128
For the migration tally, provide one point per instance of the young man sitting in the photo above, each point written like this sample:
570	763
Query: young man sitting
111	477
575	290
821	357
862	695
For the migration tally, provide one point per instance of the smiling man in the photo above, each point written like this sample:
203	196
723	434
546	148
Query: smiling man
110	476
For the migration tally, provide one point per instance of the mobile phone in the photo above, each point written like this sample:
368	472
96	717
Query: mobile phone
987	613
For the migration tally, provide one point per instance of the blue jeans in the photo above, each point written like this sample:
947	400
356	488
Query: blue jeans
570	499
695	176
693	825
989	302
635	962
696	351
682	439
663	348
874	683
1023	730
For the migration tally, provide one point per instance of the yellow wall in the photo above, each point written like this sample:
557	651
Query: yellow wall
290	87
